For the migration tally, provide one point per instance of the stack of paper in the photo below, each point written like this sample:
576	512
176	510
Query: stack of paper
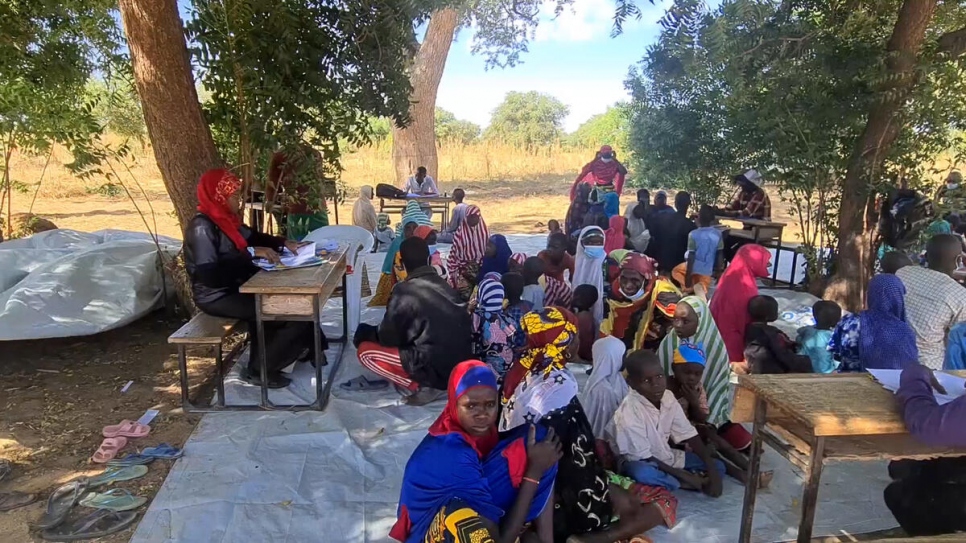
889	379
305	254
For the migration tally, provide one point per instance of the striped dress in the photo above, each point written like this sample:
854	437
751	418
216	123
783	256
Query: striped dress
717	372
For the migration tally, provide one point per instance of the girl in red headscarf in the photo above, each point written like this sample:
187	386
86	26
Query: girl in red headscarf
737	286
463	484
218	253
604	172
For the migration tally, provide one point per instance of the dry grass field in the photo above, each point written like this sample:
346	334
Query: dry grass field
517	191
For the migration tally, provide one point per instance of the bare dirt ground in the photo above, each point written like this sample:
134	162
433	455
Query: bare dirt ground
58	394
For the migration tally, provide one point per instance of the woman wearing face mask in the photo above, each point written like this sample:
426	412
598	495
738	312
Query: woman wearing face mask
604	172
589	267
628	301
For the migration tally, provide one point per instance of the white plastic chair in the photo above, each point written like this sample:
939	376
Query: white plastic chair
360	243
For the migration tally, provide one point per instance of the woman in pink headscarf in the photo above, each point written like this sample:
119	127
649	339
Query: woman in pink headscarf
604	172
737	286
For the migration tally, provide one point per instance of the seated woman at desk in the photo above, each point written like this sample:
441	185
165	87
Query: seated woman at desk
750	202
218	253
929	497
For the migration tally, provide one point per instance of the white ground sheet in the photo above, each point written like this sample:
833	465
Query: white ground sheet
64	283
335	477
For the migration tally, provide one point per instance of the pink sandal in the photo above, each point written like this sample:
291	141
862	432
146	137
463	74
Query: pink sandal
127	428
109	449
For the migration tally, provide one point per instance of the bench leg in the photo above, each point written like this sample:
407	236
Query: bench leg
220	368
183	368
810	495
262	351
754	472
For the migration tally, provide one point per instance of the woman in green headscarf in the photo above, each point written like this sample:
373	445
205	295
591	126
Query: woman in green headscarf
392	268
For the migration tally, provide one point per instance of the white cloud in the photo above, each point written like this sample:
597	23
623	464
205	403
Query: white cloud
585	20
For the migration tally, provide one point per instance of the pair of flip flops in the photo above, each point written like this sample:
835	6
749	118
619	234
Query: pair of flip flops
116	499
148	455
117	474
12	500
110	517
116	436
100	523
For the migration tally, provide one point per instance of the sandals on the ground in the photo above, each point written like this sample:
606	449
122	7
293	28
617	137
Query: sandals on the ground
60	502
13	500
361	383
116	499
116	474
100	523
127	428
109	449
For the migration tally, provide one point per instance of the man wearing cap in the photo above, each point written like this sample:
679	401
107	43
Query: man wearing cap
750	202
604	172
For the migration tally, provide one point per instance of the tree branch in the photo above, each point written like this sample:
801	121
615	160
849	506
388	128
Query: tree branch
953	43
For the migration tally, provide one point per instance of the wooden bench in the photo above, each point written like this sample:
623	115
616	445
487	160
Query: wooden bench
204	330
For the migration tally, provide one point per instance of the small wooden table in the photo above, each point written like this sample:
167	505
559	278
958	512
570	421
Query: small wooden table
811	418
436	203
762	232
298	295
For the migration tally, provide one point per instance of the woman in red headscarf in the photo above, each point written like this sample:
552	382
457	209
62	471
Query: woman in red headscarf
604	172
219	251
463	484
737	286
639	304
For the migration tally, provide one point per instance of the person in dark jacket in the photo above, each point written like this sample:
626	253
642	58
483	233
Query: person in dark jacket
669	234
218	253
425	333
768	349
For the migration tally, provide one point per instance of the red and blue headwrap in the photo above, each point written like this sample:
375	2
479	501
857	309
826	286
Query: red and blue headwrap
466	375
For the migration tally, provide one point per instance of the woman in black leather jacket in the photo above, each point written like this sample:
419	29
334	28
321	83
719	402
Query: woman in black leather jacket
218	252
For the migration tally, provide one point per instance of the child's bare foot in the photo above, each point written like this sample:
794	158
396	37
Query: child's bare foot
693	482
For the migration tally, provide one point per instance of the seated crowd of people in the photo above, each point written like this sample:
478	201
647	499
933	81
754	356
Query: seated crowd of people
520	449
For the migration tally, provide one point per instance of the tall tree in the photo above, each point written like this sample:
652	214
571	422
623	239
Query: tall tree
179	133
528	119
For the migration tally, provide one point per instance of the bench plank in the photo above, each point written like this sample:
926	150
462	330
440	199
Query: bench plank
203	329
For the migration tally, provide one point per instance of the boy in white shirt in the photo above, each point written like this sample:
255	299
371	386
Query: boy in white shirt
647	418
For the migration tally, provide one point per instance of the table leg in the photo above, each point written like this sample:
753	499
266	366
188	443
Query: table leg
220	383
774	267
183	369
262	351
754	468
317	348
810	495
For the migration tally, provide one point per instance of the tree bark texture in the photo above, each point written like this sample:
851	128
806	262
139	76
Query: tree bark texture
871	149
415	145
179	133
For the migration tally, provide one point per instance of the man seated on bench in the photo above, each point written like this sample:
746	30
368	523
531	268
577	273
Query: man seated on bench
457	216
218	254
425	333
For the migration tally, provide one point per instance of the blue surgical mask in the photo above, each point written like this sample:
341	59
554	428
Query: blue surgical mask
634	297
594	251
432	249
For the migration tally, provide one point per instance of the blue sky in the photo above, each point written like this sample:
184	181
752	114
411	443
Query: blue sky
572	58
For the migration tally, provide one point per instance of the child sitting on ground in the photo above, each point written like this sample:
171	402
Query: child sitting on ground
493	329
768	349
813	340
685	383
383	234
516	262
553	225
516	308
585	296
705	249
532	290
647	418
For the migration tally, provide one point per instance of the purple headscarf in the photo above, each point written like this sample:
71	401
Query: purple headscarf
886	341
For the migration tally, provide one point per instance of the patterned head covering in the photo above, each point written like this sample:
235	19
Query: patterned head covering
382	220
689	353
519	258
490	296
412	214
549	333
642	264
469	246
214	189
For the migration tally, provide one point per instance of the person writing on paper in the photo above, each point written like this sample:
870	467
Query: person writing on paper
422	185
750	202
929	497
219	251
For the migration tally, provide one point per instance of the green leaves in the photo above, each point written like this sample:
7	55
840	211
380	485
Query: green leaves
528	119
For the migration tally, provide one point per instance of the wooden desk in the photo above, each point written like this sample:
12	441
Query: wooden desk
811	418
762	232
298	295
436	203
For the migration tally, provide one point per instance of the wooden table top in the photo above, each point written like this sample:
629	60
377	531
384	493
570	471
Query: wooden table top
752	222
428	199
846	404
300	280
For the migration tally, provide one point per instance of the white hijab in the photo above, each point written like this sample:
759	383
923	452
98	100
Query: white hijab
363	212
590	271
606	387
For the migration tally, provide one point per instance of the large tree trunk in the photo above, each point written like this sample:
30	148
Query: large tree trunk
179	133
415	145
871	149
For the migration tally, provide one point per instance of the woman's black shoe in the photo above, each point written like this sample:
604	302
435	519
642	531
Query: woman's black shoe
275	380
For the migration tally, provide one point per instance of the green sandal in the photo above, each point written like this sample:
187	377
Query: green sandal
117	499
